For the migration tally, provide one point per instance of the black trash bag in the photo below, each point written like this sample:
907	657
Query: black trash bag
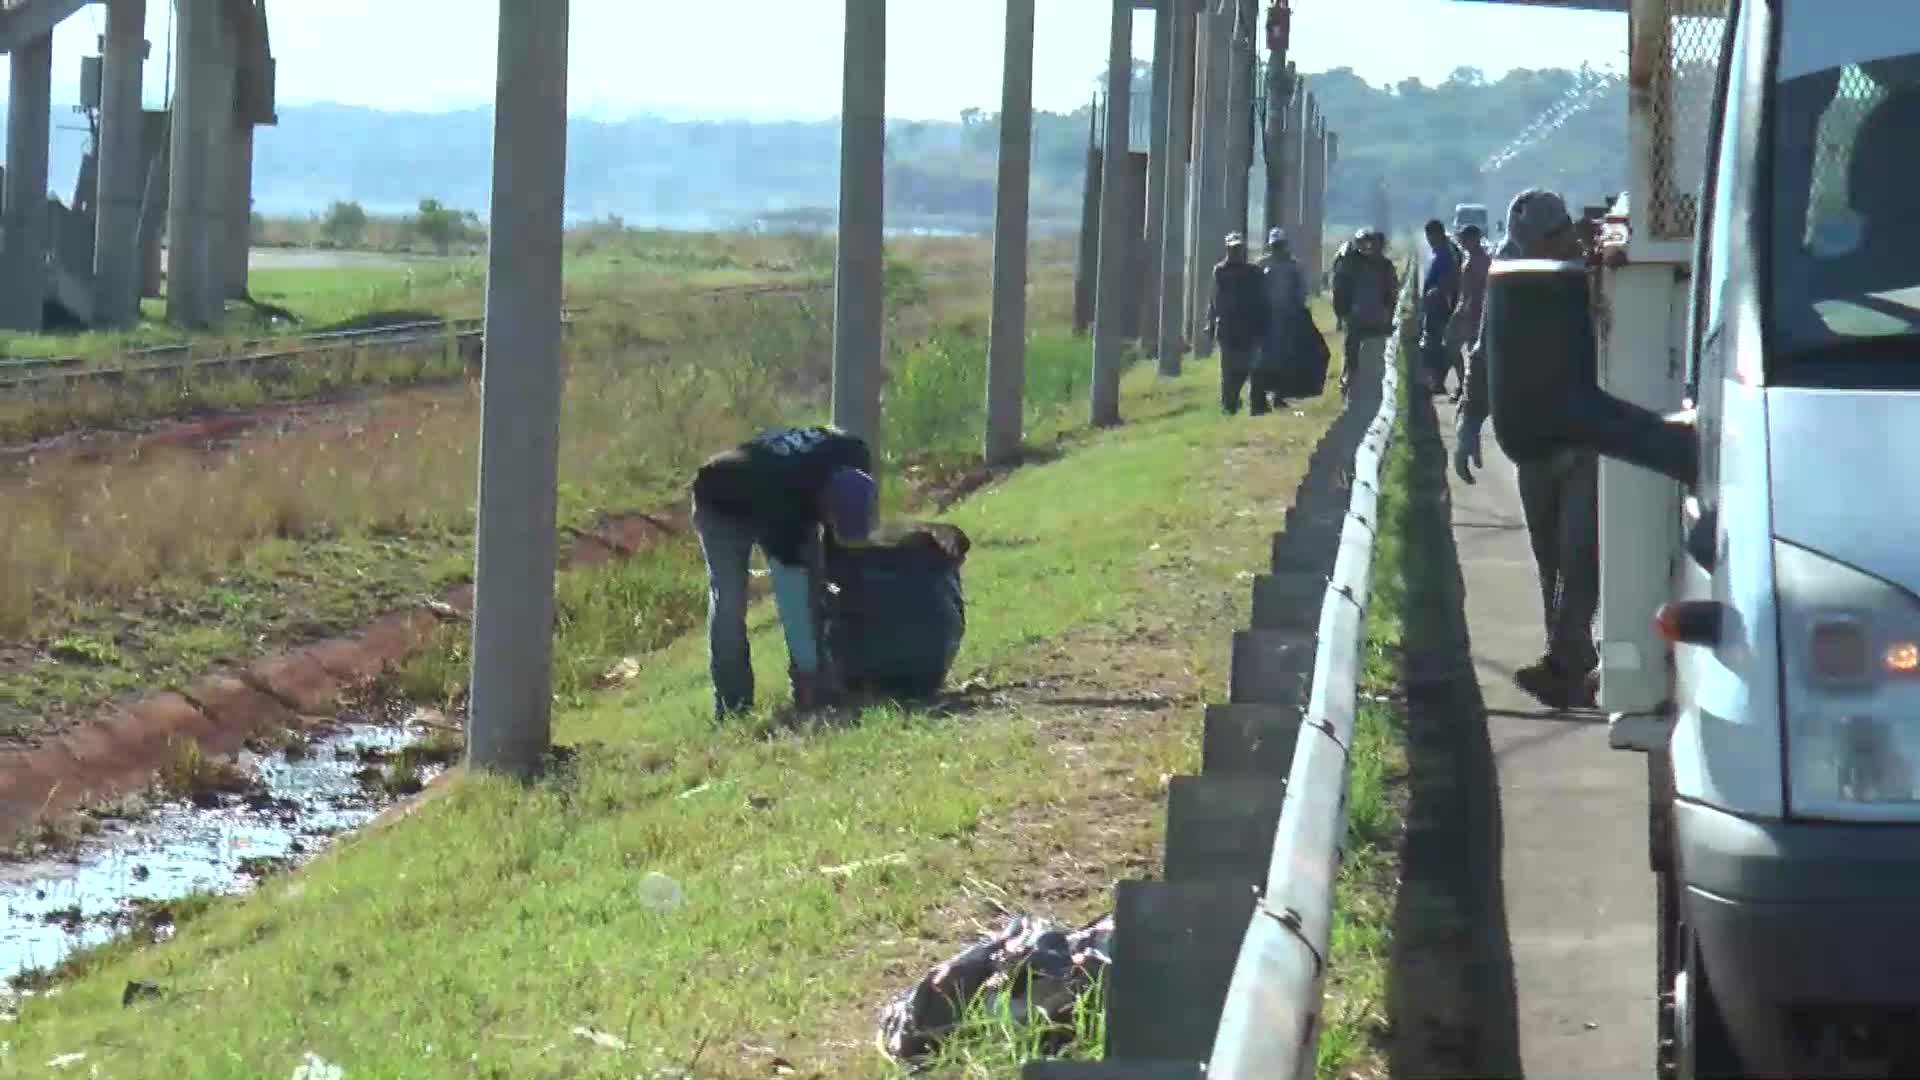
1305	375
1032	969
896	612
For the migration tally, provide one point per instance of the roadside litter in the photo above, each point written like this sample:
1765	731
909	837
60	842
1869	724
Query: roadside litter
1033	970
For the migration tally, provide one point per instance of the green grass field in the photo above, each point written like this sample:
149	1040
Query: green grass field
822	869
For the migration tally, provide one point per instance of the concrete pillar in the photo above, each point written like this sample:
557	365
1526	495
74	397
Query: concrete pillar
513	617
1087	259
1007	334
857	289
117	266
154	199
238	241
1173	239
1213	157
23	264
1198	268
202	120
1279	91
1133	193
1111	285
1292	159
1316	225
1157	153
1239	133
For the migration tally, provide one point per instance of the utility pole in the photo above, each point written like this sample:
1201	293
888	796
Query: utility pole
858	265
513	615
1279	91
1007	334
1173	239
1157	154
1111	287
1239	133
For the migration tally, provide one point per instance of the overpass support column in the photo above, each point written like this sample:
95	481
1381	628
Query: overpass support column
1113	284
1007	355
1214	165
23	265
117	270
858	268
202	122
238	241
520	396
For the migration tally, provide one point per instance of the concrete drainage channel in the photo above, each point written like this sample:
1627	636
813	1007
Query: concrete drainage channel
1217	968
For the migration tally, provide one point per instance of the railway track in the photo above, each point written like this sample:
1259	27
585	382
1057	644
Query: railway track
50	376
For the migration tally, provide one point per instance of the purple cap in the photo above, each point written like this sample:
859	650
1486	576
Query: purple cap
851	503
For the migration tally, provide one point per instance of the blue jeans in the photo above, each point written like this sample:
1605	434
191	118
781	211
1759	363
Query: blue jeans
727	543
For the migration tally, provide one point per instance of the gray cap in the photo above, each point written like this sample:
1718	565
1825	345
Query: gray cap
1533	215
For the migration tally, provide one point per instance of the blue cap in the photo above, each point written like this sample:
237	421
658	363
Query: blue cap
852	499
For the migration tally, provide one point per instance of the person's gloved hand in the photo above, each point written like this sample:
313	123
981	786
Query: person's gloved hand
1466	448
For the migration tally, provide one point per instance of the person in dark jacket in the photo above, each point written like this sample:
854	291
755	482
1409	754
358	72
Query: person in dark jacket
1365	291
777	490
1440	291
1559	496
1286	306
1238	316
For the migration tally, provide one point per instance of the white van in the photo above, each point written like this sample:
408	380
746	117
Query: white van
1790	777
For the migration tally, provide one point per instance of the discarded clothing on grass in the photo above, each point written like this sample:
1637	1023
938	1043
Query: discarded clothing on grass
1032	966
897	612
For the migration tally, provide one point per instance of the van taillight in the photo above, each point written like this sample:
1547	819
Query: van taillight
1838	651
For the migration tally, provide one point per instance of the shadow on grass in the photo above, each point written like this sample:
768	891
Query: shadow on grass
1450	980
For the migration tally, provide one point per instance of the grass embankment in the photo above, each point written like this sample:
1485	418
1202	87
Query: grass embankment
821	870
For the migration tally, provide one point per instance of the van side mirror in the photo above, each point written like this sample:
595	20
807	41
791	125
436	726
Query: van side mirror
1543	377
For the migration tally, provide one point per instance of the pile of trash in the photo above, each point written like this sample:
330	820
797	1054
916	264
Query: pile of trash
1032	970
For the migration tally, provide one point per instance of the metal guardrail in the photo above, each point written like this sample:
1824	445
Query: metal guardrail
1270	1024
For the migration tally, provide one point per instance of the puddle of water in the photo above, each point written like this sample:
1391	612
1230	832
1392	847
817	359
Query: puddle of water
49	908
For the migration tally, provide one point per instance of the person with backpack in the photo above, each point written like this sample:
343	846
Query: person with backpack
779	490
1365	291
1238	316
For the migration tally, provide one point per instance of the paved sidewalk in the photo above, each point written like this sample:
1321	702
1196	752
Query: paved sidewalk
1579	902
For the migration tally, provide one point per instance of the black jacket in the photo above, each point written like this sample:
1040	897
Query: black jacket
1239	303
774	481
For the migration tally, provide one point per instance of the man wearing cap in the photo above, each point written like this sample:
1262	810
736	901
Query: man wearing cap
1560	495
777	490
1238	317
1365	291
1286	305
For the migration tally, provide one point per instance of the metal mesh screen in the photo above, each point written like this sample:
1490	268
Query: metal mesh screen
1828	205
1682	102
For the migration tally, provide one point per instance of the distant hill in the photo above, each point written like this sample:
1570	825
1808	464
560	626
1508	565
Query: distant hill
1426	142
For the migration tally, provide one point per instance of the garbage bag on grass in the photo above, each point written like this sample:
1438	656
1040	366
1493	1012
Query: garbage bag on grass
898	612
1031	970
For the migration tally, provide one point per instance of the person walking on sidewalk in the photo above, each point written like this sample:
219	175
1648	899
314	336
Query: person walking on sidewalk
1560	495
1238	317
777	490
1439	292
1286	306
1365	291
1463	329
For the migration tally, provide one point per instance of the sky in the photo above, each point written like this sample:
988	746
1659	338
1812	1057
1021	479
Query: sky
780	59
